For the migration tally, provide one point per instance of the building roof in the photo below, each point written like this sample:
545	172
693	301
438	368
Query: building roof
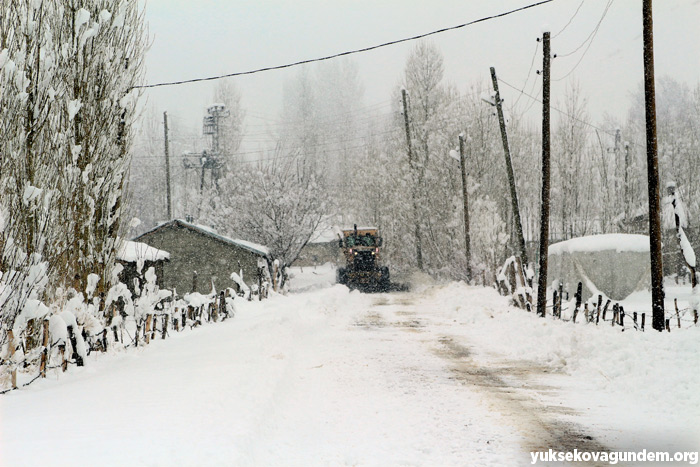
255	248
130	252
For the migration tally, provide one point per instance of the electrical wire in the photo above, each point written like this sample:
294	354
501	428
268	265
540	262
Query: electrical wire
567	115
529	72
590	42
341	54
570	20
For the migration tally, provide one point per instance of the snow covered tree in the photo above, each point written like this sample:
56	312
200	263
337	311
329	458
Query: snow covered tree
279	203
107	41
67	69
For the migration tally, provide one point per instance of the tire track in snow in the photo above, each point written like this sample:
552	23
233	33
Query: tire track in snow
508	385
510	393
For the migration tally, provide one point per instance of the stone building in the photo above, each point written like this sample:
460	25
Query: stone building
199	257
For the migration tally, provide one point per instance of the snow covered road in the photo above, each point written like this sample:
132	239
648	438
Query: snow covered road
323	377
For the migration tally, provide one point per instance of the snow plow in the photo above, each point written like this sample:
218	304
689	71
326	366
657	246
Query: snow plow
362	271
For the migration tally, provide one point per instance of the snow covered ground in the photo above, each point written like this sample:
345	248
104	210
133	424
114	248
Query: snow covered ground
443	375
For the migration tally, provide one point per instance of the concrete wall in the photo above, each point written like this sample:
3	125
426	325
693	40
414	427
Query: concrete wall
193	251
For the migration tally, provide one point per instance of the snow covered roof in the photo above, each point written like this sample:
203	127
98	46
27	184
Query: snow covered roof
604	242
131	252
208	231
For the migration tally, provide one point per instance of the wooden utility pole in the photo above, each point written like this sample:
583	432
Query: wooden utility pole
465	196
414	187
509	171
627	190
544	217
657	276
167	166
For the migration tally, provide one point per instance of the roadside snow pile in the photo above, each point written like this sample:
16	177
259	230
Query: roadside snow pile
311	277
657	368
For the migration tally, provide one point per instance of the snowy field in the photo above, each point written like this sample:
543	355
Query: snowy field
443	375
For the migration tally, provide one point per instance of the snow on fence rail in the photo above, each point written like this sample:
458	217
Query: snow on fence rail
54	340
514	281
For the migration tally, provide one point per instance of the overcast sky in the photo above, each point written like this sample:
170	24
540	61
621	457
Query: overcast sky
192	39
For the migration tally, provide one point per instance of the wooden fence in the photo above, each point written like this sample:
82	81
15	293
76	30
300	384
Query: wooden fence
513	281
55	352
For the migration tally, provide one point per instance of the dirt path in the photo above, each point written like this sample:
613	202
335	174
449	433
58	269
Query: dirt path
513	389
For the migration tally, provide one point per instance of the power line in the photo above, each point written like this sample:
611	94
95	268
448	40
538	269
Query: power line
609	133
325	146
262	152
529	72
570	20
341	54
594	33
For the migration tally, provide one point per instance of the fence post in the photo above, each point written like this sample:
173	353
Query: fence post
147	329
45	349
605	309
579	292
561	298
11	353
678	317
64	362
222	305
74	344
165	325
644	315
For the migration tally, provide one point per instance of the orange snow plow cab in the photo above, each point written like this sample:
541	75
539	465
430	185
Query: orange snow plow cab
363	271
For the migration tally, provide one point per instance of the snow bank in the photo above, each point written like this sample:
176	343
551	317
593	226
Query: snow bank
648	368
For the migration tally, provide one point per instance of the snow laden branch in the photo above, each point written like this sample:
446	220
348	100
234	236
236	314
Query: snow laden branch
66	113
280	203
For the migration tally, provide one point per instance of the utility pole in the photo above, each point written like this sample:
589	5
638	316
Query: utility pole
465	196
544	217
509	171
627	189
414	187
208	159
167	166
657	276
